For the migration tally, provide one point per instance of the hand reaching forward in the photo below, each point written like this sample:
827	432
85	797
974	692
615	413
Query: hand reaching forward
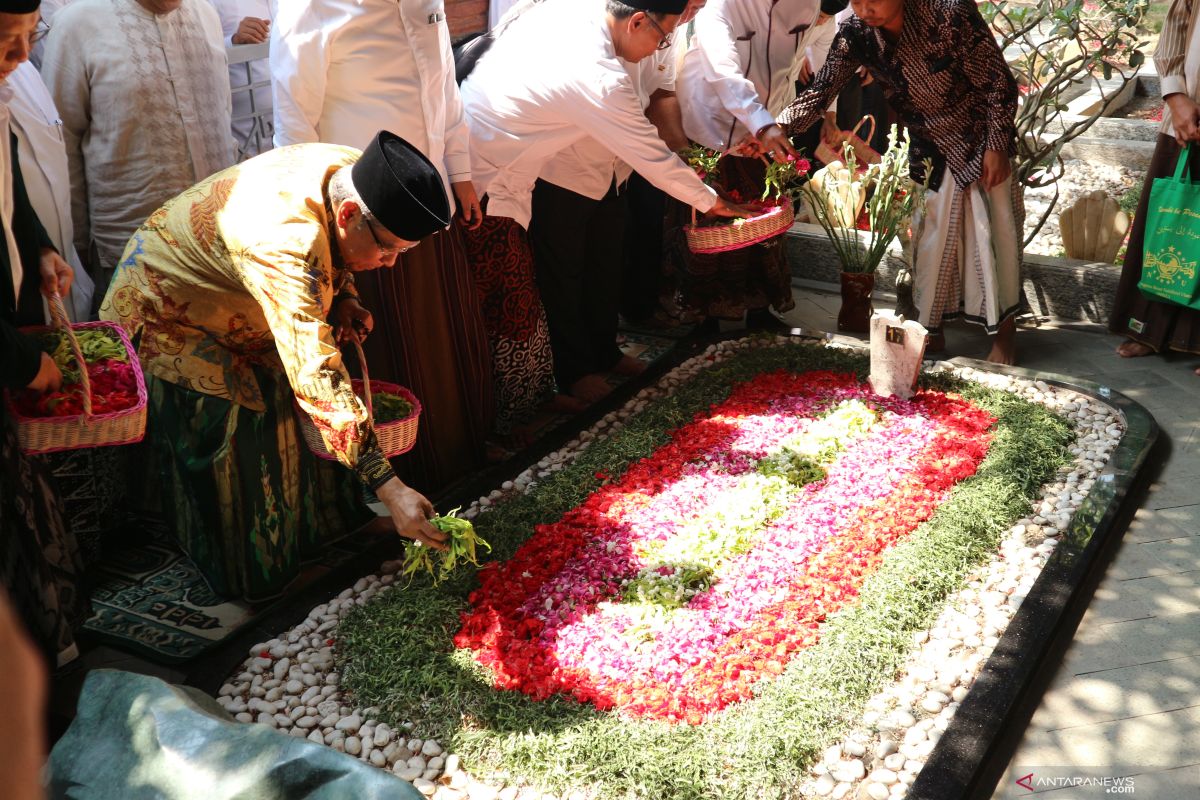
410	513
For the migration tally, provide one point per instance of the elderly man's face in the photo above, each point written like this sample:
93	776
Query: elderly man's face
160	6
16	32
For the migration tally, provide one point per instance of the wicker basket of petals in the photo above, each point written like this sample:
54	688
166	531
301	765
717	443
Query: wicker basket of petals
395	436
104	406
774	216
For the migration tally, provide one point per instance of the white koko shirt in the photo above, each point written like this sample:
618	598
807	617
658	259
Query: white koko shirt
552	78
741	51
588	167
145	105
342	70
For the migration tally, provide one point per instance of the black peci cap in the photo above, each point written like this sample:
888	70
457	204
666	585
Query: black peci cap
401	187
671	7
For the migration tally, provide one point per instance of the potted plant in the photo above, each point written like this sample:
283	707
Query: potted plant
887	196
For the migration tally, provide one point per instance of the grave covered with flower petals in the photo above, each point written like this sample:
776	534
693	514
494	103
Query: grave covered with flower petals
758	578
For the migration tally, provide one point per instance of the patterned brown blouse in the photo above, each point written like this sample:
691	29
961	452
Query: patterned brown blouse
945	77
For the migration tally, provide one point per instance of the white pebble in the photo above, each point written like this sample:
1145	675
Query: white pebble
351	723
884	776
854	749
850	771
877	791
405	772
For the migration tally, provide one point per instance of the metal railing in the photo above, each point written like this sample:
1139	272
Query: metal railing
252	121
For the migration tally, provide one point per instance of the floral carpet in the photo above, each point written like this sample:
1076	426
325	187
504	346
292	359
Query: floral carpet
670	591
698	596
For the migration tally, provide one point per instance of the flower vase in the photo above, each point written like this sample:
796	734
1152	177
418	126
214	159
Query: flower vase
855	313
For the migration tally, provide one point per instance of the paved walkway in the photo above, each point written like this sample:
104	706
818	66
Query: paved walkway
1126	698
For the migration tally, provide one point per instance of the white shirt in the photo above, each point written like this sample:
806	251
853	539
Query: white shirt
588	167
815	43
231	13
6	190
342	70
552	78
43	158
496	11
740	52
145	105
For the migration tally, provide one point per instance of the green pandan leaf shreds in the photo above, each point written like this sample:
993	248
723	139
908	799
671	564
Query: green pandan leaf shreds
460	547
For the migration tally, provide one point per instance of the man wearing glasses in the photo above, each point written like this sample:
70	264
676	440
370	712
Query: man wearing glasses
237	292
521	112
580	210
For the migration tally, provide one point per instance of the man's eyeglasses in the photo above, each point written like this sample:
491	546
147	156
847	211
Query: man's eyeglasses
39	32
384	250
665	42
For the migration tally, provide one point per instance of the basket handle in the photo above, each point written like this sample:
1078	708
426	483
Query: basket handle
58	314
871	135
366	379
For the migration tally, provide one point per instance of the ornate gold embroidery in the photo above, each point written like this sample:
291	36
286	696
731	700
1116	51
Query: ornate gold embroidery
203	212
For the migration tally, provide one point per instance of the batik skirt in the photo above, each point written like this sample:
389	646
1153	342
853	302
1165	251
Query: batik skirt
522	365
40	563
248	501
967	254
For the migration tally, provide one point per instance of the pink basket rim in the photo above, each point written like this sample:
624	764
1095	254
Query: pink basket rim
748	242
378	386
388	387
139	378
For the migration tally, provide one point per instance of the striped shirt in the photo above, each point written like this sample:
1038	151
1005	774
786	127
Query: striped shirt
1177	71
945	77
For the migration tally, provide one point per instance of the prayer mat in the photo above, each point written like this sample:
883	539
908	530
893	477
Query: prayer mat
148	598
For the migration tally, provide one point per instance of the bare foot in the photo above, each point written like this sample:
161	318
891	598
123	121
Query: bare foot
1004	346
936	343
1196	371
1131	349
1003	354
564	404
629	366
590	388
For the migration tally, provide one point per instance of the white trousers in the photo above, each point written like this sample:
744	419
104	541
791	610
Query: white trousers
967	254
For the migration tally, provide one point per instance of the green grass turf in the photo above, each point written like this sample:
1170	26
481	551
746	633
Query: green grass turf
396	651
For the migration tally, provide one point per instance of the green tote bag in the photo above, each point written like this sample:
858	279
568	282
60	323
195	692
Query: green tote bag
1171	254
